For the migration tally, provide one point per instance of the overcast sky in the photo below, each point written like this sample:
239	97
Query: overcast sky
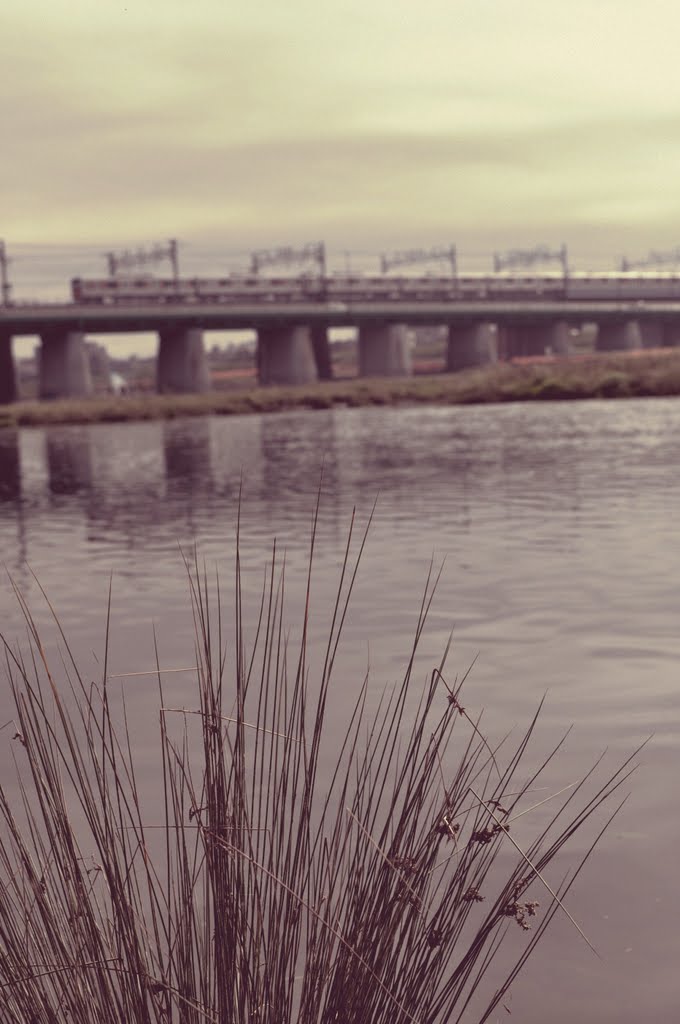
368	123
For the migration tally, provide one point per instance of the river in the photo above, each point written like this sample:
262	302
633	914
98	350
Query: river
559	528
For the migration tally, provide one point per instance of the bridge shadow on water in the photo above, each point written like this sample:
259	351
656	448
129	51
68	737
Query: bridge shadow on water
10	466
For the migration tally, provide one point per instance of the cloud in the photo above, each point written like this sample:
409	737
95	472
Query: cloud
355	121
112	178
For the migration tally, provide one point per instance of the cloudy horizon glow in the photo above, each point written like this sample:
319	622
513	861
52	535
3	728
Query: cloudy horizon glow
487	124
492	121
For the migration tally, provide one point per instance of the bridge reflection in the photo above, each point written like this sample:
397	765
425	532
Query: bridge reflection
69	460
165	483
10	466
483	317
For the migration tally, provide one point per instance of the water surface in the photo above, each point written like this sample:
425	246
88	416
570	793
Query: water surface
559	530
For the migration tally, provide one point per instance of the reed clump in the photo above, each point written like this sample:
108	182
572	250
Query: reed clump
299	874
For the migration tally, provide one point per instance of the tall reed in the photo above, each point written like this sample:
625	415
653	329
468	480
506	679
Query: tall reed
299	874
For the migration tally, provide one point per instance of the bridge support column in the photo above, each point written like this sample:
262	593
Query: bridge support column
471	345
560	338
322	352
652	333
64	365
384	351
660	333
182	366
8	379
286	355
536	339
617	335
670	333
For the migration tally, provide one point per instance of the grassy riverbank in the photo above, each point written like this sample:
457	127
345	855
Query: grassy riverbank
623	375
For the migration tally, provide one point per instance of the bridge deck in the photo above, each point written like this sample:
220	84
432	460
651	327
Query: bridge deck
36	318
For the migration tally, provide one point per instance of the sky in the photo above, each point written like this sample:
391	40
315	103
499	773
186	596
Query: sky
375	126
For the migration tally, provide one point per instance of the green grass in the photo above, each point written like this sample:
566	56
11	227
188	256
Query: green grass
295	870
602	376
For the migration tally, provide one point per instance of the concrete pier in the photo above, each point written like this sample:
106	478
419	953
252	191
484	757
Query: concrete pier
536	339
322	351
618	335
285	355
182	363
64	365
660	333
524	340
8	379
384	351
471	345
652	333
670	333
560	338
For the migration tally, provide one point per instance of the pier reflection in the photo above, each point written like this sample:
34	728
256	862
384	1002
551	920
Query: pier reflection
187	455
419	462
69	460
10	466
297	461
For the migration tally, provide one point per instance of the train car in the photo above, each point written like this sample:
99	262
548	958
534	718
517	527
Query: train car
347	288
428	288
233	289
110	291
84	291
512	286
625	286
356	287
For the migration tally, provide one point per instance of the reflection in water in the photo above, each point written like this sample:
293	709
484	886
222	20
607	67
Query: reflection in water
69	460
188	471
13	550
10	467
559	526
296	463
186	449
293	458
422	462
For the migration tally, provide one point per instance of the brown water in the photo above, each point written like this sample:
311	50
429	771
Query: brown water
560	529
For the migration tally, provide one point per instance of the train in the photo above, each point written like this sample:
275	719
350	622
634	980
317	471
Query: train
347	288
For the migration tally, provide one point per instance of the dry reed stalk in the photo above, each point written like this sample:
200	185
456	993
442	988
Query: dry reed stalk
284	890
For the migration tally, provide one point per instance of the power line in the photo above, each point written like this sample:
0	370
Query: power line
314	252
530	257
131	258
411	256
654	258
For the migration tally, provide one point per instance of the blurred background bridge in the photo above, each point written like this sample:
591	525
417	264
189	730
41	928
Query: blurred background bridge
521	308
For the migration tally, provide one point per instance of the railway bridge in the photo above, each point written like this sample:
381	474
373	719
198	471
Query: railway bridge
521	317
